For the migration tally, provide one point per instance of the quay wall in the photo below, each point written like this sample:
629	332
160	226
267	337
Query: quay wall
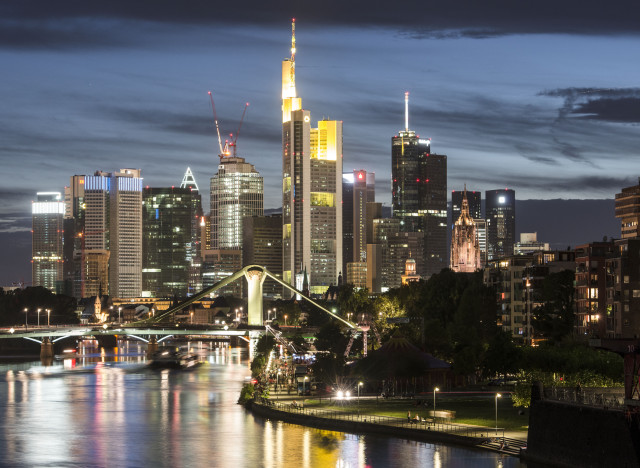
359	427
573	435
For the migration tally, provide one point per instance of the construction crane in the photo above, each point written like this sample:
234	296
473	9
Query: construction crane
225	150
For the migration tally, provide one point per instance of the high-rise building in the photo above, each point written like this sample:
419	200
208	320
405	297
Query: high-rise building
591	286
500	212
167	215
262	245
419	195
46	248
311	190
474	200
465	248
529	243
125	234
358	190
194	283
237	192
628	211
395	248
94	234
623	292
73	228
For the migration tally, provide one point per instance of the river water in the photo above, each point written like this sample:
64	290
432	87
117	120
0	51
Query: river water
108	410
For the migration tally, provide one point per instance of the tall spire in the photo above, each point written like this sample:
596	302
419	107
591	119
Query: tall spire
406	111
293	52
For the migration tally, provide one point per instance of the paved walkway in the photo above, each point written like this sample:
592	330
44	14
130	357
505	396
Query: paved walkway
509	442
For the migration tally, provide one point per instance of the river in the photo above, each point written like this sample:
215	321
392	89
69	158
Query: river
108	410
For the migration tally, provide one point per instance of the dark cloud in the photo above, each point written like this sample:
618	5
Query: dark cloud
38	23
553	183
625	110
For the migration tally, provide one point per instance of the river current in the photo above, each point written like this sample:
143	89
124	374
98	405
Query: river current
109	410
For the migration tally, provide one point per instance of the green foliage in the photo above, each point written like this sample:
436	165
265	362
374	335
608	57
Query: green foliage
554	319
266	344
246	394
521	395
331	338
502	356
13	303
258	365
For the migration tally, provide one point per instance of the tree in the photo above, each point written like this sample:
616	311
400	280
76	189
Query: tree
554	319
331	338
503	356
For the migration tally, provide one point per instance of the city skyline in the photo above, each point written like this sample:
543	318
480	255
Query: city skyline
545	107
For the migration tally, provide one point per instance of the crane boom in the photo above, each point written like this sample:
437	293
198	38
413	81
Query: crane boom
215	119
239	127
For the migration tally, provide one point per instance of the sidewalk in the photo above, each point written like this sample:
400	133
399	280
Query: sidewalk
508	442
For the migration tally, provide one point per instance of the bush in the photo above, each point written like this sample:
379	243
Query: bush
246	394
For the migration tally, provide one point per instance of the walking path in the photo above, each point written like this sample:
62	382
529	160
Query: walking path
488	438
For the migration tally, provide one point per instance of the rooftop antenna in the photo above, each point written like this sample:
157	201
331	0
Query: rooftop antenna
293	52
406	111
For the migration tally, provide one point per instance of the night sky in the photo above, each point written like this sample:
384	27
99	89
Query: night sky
542	97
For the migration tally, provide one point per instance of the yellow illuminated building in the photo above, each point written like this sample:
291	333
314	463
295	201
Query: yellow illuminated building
311	189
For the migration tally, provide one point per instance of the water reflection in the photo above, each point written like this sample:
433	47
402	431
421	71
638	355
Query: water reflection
107	409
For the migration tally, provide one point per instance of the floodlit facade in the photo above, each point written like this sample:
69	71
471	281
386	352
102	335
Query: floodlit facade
465	248
46	249
125	234
236	193
419	195
474	200
311	190
501	222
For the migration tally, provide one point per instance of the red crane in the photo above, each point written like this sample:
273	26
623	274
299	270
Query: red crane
225	151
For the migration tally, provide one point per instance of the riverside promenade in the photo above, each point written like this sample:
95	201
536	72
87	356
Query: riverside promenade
348	418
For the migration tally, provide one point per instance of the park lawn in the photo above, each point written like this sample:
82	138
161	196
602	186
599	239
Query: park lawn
476	410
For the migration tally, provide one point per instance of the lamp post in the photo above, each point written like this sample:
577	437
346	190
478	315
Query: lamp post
119	314
153	312
39	310
304	389
191	313
285	319
497	396
359	385
26	316
48	317
435	389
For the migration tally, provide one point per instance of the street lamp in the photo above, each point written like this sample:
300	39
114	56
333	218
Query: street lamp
359	385
497	396
153	312
48	317
191	313
39	316
435	389
26	315
304	387
285	319
119	314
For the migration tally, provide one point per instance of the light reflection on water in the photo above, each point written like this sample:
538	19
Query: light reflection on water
108	410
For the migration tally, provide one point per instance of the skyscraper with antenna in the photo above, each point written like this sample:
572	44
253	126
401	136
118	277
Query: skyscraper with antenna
311	189
419	194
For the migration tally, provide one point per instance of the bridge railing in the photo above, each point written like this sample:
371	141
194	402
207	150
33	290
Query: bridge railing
482	434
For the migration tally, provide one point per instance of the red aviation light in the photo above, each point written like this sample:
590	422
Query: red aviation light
426	181
360	176
417	180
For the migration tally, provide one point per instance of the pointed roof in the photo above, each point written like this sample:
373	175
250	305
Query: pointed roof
188	181
465	218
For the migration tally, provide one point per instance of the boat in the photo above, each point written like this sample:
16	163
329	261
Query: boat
172	359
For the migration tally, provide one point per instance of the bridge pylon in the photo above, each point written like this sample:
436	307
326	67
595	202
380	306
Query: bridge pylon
255	279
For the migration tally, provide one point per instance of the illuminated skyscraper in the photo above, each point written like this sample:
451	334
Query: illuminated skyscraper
358	189
193	254
501	222
311	190
125	234
46	248
236	193
419	195
166	244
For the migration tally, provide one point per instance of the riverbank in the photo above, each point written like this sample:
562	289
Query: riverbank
292	409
